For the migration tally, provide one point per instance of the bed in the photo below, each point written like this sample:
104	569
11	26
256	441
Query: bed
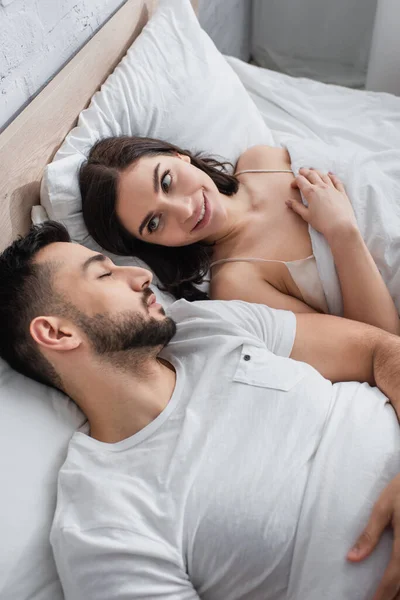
274	109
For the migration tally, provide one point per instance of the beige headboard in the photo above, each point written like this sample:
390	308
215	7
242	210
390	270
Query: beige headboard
31	140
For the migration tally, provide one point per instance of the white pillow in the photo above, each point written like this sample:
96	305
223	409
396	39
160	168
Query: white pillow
173	84
35	427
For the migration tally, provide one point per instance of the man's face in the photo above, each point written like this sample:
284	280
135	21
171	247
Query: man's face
113	306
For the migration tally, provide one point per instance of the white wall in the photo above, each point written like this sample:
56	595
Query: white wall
37	37
328	40
384	63
228	23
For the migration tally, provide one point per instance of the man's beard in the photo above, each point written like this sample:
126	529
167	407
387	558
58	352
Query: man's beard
130	330
127	331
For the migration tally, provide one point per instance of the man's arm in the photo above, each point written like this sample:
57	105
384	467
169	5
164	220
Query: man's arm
111	563
343	350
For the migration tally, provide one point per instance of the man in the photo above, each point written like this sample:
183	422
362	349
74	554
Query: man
213	466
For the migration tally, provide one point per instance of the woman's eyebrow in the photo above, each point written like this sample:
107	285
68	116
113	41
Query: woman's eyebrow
156	179
156	186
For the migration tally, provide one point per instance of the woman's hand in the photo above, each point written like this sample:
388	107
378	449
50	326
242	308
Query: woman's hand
386	512
329	209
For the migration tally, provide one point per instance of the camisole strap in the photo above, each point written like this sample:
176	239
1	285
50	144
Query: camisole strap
264	171
304	273
248	259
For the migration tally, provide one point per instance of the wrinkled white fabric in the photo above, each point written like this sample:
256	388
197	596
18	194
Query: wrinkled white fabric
311	110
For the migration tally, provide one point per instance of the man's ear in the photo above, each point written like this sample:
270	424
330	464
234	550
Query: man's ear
184	157
54	333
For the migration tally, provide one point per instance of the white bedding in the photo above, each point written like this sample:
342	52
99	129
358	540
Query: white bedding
313	110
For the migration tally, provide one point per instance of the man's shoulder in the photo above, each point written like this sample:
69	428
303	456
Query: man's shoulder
236	312
244	320
210	315
209	318
205	309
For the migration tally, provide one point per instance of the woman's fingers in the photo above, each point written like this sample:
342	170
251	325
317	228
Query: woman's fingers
312	175
316	176
303	183
298	207
294	184
325	178
336	182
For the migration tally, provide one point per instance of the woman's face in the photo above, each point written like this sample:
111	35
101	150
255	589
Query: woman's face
166	200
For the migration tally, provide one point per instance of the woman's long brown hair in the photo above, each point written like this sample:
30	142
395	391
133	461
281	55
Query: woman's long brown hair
177	269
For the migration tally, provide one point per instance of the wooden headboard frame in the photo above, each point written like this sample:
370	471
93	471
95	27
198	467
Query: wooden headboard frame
32	139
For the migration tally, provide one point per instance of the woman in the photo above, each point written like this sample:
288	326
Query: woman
182	214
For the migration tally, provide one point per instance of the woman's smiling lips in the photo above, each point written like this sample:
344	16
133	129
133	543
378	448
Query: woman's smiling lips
204	210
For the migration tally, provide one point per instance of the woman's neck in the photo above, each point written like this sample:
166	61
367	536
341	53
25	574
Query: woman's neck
237	207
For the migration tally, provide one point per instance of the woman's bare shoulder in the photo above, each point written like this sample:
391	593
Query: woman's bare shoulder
241	281
261	157
230	278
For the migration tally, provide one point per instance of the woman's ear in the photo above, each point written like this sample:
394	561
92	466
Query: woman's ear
184	157
54	333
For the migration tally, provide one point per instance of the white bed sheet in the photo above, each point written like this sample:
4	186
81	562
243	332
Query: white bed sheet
310	109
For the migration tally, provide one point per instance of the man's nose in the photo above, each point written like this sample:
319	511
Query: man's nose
140	278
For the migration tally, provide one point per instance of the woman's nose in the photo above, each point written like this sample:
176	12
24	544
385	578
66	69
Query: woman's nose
184	209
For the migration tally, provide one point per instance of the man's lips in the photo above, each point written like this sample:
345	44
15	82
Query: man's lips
152	300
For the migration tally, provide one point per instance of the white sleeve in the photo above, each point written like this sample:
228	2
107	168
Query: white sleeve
117	564
276	328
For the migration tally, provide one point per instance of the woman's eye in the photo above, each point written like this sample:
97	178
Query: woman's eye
153	224
166	181
105	275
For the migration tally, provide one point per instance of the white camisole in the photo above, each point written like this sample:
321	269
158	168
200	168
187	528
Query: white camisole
304	271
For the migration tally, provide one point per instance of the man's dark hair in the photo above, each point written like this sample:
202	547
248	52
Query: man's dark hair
26	292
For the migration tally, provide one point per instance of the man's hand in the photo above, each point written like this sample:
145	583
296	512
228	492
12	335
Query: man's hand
385	512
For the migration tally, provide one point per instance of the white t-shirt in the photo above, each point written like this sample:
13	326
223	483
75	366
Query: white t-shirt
252	484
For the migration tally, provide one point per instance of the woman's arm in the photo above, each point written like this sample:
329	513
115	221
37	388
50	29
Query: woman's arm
365	295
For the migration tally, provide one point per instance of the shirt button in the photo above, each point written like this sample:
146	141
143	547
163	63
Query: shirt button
246	357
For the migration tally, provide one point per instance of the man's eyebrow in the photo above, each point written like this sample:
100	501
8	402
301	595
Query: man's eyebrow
156	187
93	259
